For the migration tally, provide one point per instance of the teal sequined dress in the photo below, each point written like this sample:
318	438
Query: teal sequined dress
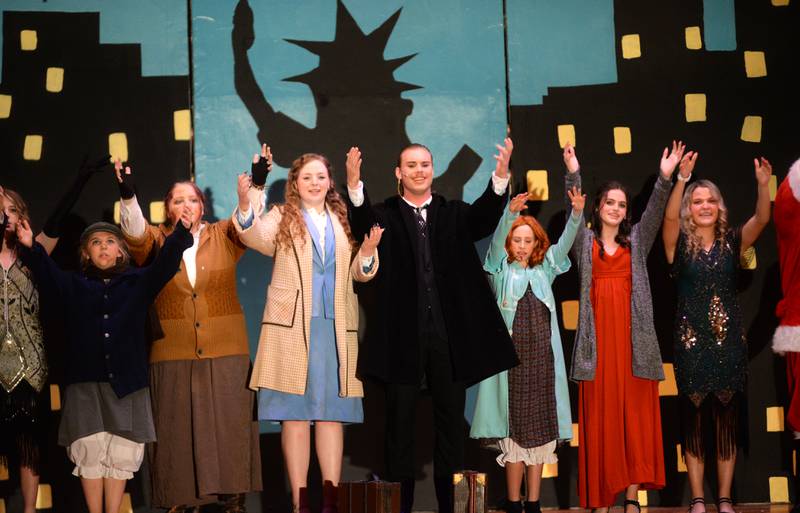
710	346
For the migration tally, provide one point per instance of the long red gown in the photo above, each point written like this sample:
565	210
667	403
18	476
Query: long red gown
619	414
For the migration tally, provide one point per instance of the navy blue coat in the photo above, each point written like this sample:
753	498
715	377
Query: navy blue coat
105	322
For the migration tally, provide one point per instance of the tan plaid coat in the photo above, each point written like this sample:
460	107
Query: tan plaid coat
282	357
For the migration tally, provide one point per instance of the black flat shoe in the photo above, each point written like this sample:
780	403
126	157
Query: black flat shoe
632	503
697	500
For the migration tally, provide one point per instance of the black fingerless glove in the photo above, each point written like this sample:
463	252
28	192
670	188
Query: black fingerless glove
259	171
53	224
127	187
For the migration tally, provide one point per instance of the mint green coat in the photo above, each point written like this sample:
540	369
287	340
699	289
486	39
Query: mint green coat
509	282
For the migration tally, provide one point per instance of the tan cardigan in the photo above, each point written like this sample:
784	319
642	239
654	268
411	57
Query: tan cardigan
204	321
282	358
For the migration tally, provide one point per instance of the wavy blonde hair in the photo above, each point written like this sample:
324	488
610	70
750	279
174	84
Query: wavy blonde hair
292	224
689	228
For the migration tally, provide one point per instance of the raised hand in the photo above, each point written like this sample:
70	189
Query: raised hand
125	180
242	186
670	159
763	170
517	203
577	199
24	233
371	241
687	164
353	166
503	158
570	158
262	165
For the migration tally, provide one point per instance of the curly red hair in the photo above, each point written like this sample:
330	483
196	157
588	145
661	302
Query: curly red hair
539	236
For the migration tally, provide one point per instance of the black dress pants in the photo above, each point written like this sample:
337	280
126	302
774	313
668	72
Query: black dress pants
448	415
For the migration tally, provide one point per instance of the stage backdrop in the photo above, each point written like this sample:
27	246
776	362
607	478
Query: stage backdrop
193	88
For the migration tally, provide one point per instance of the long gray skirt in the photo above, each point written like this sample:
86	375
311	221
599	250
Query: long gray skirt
207	436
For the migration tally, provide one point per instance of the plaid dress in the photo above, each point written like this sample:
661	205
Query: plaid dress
533	420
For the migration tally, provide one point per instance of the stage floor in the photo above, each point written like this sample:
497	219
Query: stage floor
710	508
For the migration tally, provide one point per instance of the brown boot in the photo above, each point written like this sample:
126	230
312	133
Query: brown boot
330	498
232	503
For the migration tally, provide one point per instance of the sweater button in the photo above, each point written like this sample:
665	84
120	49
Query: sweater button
200	351
106	335
108	356
194	295
105	316
110	375
197	325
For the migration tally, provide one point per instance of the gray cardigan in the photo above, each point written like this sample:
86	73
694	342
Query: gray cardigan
646	355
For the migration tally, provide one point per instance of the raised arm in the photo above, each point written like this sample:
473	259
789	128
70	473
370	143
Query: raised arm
672	215
168	260
51	231
572	181
485	212
559	251
755	225
653	214
50	279
362	216
493	263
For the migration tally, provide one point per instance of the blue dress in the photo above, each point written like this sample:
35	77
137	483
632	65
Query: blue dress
321	400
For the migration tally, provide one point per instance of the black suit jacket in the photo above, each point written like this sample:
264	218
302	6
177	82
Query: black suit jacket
479	342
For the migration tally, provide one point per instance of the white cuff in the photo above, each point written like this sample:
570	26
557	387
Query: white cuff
131	217
499	184
356	195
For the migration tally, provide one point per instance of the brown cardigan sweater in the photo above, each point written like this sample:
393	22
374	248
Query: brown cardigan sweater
205	321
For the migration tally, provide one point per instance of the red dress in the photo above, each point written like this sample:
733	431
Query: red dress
618	414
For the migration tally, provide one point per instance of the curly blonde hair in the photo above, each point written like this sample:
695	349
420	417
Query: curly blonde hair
689	228
292	224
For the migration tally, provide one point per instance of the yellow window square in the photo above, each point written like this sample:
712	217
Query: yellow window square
642	497
755	64
3	471
773	187
55	80
118	146
775	419
126	506
157	212
695	107
182	124
569	314
631	47
2	506
778	489
55	398
28	40
693	39
550	470
622	139
751	129
5	106
537	185
574	440
566	134
681	459
44	498
780	3
748	259
116	212
33	147
668	386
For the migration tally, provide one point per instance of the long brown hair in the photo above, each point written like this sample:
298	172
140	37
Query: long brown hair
292	224
539	236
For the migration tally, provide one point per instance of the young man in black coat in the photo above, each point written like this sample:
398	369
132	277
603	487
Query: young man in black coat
437	320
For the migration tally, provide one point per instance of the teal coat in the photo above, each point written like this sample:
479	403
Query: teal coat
491	411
